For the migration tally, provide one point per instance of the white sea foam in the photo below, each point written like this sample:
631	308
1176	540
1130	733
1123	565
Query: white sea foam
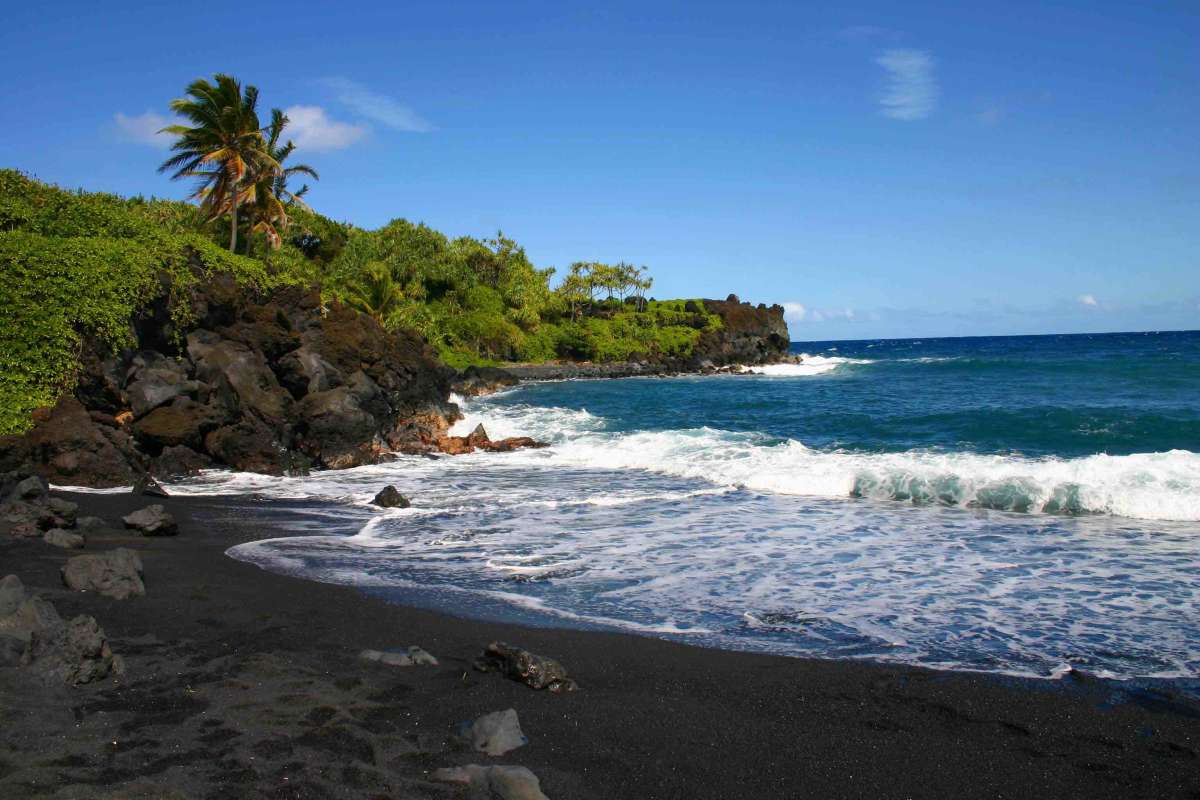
1160	486
809	366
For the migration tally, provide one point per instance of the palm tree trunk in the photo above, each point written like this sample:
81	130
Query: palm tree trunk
233	224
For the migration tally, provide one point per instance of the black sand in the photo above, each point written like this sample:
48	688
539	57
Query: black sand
243	683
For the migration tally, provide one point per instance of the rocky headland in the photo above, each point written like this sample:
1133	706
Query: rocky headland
279	382
748	335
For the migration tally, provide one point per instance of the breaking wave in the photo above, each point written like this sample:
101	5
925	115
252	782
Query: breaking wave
1157	486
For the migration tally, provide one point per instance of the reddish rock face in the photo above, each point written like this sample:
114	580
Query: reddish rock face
66	447
478	440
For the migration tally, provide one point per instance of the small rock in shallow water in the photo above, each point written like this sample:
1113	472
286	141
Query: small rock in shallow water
117	573
146	485
390	497
536	672
152	521
496	733
64	539
504	782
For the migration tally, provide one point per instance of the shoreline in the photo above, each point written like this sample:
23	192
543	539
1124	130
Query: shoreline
270	663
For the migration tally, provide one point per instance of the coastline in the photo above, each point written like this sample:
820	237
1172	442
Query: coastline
244	683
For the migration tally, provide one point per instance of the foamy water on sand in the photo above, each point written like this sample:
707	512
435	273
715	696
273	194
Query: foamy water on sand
965	557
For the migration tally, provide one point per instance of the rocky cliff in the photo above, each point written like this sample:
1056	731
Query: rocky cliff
278	383
270	383
748	335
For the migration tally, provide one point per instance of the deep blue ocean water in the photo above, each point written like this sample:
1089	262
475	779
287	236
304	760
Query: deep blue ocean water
1016	504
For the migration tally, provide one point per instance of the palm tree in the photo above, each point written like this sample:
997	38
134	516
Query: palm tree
375	293
272	196
223	148
279	186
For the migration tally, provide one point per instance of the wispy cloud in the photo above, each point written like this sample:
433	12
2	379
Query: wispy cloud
1088	300
912	91
311	128
143	129
798	312
376	107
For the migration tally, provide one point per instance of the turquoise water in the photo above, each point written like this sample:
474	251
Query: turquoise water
1017	505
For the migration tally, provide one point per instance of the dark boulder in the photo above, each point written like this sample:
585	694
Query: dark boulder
74	653
536	672
28	519
233	366
179	461
147	486
337	431
390	497
31	489
155	380
101	378
304	371
116	573
248	446
183	423
66	447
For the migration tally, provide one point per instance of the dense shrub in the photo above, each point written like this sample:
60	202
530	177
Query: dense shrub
81	265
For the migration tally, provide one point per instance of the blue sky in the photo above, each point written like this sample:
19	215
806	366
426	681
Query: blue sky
884	169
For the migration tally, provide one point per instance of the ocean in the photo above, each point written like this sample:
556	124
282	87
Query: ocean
1019	505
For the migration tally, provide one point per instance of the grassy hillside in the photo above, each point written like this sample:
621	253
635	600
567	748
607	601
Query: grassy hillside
80	265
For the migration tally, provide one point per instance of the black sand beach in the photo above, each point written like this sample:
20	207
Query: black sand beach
245	684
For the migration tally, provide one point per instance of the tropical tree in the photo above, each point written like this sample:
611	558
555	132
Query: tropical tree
374	292
269	215
279	185
222	148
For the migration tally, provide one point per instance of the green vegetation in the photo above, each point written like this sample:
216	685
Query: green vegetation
484	302
78	266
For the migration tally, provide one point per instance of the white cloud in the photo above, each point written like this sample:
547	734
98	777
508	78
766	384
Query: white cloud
794	312
797	312
376	107
143	128
1088	300
312	129
912	91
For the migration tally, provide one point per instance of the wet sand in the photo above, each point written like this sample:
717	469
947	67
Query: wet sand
243	683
